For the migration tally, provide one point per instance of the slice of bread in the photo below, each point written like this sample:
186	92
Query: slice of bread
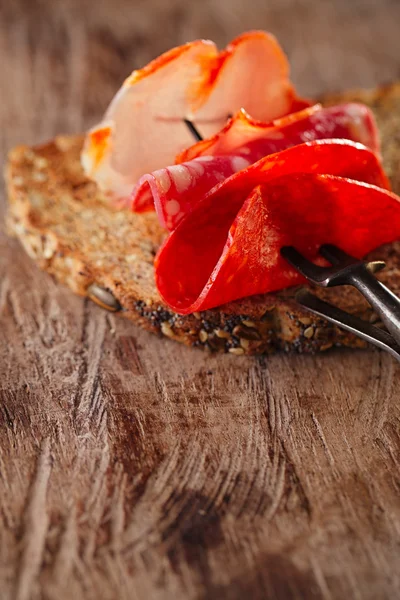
66	225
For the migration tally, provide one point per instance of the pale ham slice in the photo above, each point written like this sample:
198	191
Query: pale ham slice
253	139
143	129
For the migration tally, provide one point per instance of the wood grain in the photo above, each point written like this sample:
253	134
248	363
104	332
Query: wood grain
133	468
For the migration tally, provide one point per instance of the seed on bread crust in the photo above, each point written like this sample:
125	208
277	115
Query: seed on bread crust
248	323
222	334
103	298
167	329
309	332
236	351
203	335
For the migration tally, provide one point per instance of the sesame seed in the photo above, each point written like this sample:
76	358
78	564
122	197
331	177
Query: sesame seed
167	329
48	252
222	334
309	332
244	343
236	351
197	315
305	320
248	323
203	335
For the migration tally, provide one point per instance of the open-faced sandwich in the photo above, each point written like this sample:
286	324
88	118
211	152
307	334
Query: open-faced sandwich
174	209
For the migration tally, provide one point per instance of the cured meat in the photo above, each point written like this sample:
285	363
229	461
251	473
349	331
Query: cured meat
229	249
242	142
175	191
143	129
252	139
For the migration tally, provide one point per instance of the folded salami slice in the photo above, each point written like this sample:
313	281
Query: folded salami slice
228	249
143	128
175	191
252	139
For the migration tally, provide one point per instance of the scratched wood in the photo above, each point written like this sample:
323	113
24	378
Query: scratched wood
133	468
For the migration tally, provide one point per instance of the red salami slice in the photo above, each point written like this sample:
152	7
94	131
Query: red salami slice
175	191
230	249
254	139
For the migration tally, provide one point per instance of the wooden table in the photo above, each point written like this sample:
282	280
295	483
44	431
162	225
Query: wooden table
133	468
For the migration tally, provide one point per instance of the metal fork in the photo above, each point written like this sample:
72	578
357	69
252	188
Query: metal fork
347	270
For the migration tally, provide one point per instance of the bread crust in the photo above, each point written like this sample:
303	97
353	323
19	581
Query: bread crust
68	228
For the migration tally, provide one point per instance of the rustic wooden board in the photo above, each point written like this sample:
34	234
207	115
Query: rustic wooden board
133	468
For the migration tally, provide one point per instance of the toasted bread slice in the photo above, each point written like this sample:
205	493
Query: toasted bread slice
67	226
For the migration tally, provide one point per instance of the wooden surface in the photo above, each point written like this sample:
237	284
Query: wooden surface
133	468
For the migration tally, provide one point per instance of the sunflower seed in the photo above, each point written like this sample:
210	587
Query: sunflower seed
248	323
103	297
237	351
203	335
167	329
222	334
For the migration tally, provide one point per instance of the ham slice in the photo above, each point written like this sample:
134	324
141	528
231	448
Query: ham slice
143	128
175	191
230	255
228	247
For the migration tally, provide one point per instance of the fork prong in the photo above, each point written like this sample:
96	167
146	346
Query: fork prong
351	323
312	272
336	256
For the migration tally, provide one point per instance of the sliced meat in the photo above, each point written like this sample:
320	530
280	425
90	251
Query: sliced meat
173	191
176	190
143	129
231	249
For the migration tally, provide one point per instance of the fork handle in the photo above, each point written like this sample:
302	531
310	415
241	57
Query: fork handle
383	301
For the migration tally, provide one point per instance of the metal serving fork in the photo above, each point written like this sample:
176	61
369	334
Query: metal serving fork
347	270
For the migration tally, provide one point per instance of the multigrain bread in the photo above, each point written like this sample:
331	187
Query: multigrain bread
66	225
